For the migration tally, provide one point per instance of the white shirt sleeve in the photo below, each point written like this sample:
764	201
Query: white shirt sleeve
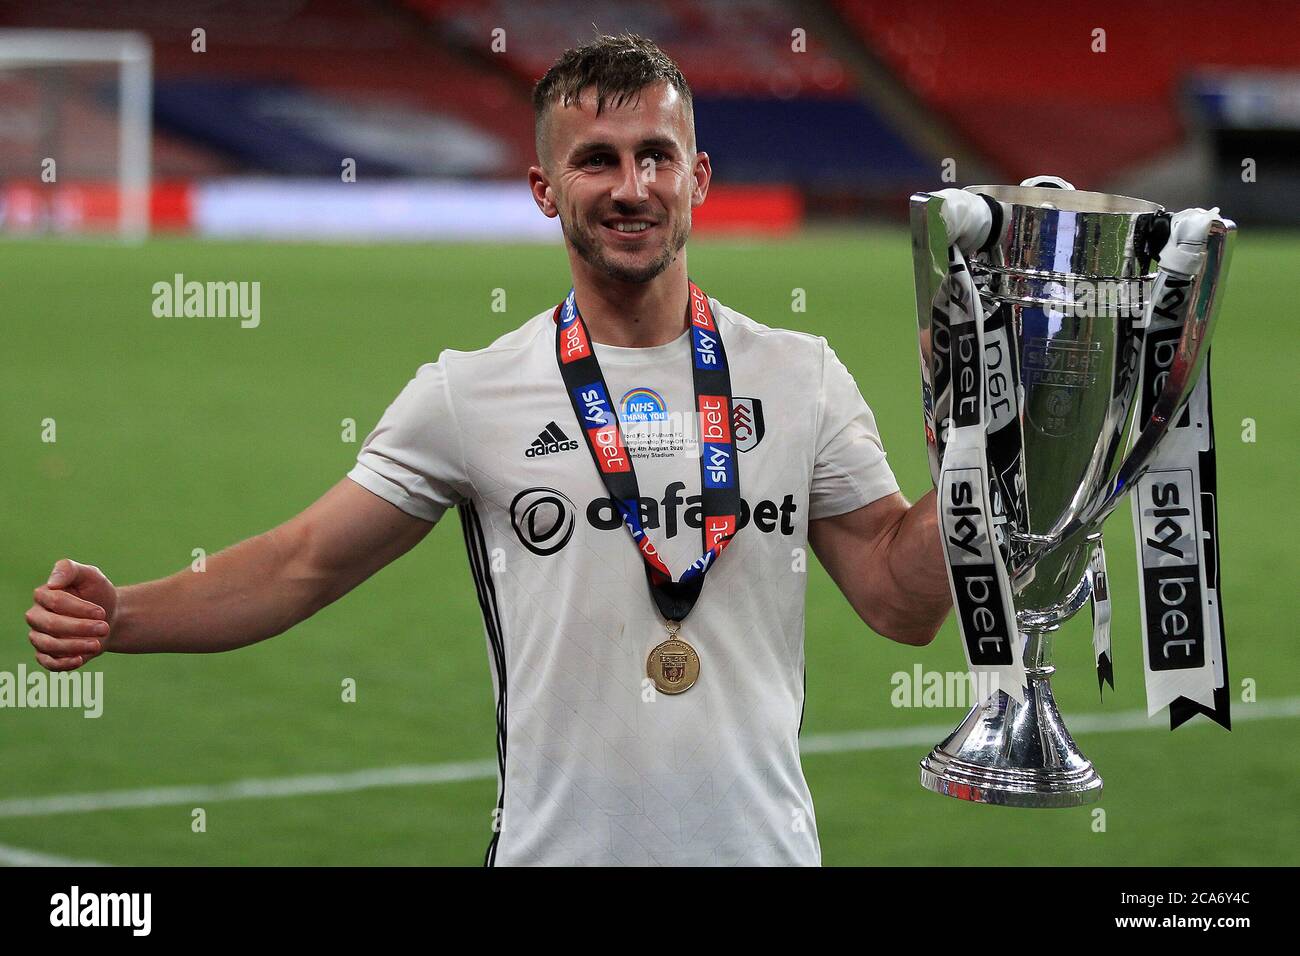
850	470
414	459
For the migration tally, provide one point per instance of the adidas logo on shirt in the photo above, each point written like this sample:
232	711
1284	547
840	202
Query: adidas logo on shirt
549	441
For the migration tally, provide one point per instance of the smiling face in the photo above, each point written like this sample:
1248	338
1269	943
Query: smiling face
623	183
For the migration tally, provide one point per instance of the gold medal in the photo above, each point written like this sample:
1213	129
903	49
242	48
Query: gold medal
673	665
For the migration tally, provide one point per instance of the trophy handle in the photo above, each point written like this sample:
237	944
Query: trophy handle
972	219
1206	294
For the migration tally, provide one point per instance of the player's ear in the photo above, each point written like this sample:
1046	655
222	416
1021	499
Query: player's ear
703	175
541	190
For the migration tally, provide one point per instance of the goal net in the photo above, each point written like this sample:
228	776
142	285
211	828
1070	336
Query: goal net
75	132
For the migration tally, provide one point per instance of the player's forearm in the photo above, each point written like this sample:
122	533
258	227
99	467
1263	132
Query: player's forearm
918	596
246	593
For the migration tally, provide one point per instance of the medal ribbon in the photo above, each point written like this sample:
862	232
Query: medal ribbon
598	418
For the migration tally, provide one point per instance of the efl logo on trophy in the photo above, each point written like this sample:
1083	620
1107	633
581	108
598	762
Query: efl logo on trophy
1065	363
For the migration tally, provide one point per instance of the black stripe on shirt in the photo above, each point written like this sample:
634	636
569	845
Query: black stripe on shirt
480	568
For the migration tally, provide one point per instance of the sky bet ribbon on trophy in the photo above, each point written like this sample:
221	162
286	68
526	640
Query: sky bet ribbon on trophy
1175	506
971	507
673	665
1099	598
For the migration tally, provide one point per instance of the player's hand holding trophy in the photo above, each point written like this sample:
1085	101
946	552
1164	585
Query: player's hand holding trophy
1065	363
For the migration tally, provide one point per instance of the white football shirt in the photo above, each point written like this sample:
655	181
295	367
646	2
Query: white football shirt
595	767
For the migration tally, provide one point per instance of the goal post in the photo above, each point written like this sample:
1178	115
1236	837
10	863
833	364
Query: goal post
76	130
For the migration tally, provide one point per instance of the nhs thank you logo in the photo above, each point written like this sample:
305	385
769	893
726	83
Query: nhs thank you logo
643	405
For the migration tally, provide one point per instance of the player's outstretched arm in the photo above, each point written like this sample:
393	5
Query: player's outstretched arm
248	592
887	559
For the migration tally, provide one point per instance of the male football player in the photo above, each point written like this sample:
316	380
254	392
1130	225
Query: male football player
637	470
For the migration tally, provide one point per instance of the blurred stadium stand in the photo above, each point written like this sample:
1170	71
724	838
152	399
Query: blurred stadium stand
1023	86
735	47
867	113
764	113
289	87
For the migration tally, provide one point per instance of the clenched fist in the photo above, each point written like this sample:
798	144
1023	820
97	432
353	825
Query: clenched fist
72	619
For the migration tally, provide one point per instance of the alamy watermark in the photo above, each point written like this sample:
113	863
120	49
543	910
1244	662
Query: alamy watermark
208	300
75	690
133	911
1096	298
922	688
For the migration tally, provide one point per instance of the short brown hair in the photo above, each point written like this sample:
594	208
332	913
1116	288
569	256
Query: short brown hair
619	67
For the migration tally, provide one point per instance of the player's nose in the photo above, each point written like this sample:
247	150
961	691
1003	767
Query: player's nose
631	186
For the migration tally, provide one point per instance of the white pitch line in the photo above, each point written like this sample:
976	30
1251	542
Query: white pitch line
17	856
250	789
426	774
1095	723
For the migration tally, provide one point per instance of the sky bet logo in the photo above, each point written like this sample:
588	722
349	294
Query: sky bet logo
599	421
573	337
707	355
701	317
1171	575
970	557
704	334
720	528
715	442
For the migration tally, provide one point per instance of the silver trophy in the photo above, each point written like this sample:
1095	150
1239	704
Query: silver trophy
1067	281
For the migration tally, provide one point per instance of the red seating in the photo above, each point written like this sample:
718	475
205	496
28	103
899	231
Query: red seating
723	46
1021	81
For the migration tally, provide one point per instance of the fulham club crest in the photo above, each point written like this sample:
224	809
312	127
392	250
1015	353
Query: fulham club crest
746	423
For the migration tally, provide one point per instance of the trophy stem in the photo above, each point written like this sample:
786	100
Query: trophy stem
1013	754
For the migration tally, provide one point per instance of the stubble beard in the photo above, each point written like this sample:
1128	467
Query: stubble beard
592	251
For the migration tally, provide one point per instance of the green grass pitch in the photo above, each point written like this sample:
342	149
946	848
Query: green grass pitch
174	434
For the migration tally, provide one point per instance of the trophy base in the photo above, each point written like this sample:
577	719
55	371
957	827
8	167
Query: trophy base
1013	755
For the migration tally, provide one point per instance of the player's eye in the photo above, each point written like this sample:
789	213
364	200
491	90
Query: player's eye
597	161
